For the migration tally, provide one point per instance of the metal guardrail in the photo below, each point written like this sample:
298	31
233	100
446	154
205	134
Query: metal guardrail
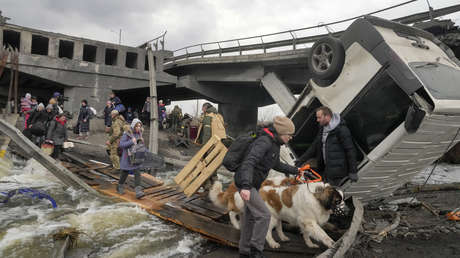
294	41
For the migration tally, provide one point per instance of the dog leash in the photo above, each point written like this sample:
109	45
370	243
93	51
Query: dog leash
307	167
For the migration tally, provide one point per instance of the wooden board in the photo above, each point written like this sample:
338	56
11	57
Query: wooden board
206	203
207	172
202	211
194	161
202	166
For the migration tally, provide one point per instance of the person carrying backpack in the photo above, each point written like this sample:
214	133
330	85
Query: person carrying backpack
57	134
132	136
262	155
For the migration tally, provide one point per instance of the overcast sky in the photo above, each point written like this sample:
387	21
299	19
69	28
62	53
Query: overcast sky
190	22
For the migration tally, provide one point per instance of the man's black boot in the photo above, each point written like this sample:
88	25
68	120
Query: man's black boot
244	255
255	253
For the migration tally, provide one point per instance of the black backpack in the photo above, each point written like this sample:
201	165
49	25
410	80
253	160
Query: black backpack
235	154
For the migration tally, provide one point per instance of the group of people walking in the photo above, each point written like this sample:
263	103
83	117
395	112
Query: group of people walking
122	136
44	123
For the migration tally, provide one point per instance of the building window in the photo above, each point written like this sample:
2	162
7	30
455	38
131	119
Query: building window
66	49
111	56
89	53
11	38
40	45
131	60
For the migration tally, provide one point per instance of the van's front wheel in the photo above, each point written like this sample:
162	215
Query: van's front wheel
327	58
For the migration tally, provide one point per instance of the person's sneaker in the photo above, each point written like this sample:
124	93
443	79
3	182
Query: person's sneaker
120	189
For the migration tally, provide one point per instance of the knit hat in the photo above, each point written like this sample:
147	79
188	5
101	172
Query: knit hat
283	125
134	122
41	106
49	106
114	112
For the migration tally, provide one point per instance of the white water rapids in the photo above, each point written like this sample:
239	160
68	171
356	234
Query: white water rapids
110	229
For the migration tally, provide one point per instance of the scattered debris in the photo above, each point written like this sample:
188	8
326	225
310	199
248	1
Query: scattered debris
72	233
454	215
430	208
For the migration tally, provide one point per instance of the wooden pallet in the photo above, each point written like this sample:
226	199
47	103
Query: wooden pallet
202	166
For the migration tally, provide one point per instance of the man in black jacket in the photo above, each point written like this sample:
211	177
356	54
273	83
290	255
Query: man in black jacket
262	155
333	149
107	116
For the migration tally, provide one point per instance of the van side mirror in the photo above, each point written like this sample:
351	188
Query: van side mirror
414	118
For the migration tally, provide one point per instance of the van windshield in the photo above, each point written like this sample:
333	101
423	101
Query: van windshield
442	81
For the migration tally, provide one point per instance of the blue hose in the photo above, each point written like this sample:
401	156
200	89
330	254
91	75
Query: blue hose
32	193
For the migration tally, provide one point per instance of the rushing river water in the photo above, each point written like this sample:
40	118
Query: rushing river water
110	229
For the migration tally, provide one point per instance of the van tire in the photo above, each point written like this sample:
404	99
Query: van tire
326	58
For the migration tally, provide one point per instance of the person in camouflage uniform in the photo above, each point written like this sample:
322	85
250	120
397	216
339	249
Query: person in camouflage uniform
116	131
176	117
212	123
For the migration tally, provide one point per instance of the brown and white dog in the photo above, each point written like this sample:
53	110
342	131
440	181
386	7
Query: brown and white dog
307	206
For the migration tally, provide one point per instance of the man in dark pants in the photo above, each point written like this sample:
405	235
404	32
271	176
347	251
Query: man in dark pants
333	149
263	154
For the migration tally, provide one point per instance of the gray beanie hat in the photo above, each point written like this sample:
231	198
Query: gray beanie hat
49	106
41	105
283	125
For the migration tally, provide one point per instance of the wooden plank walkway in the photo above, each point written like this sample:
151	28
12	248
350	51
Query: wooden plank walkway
169	202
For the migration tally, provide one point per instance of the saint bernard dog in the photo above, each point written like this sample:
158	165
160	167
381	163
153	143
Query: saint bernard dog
307	206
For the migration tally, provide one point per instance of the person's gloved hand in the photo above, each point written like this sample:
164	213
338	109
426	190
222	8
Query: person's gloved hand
353	177
298	163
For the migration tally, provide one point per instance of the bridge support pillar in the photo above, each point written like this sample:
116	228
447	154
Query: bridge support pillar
279	92
238	119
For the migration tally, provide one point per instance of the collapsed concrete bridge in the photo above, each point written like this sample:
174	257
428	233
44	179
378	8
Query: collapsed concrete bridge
240	77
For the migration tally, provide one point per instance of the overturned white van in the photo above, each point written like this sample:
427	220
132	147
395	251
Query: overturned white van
397	88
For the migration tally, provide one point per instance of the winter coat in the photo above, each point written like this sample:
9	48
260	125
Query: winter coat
129	116
125	143
39	121
26	104
115	100
57	133
107	116
84	115
263	154
340	153
146	107
212	124
161	112
116	130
